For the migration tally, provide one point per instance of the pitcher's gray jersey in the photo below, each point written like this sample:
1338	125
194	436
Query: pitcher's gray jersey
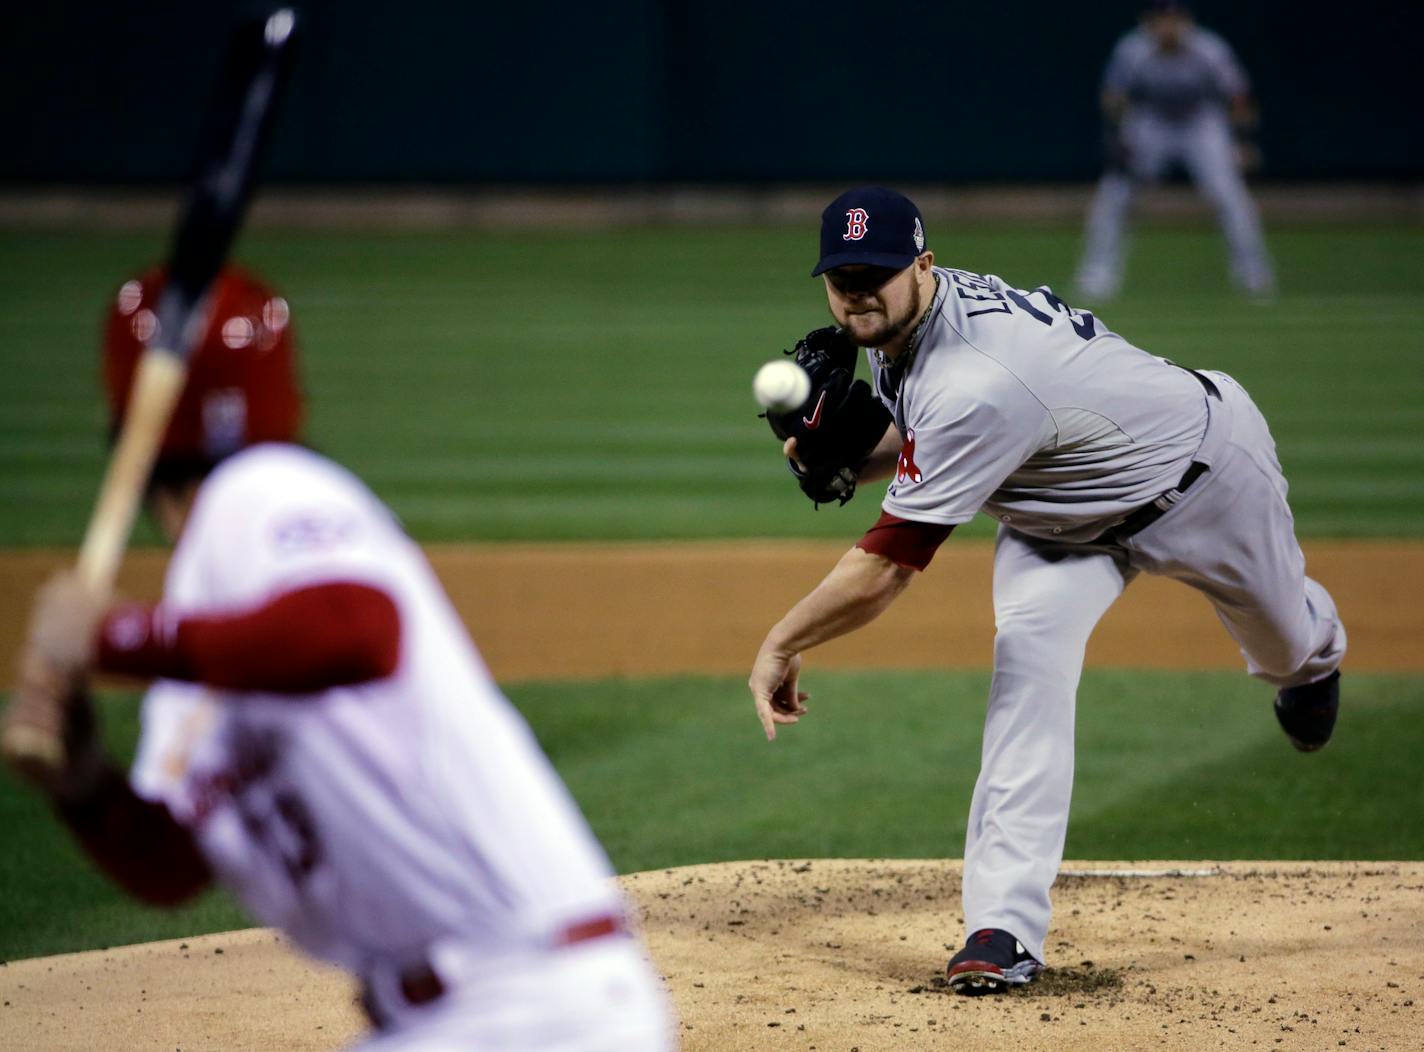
1100	462
1175	84
1016	403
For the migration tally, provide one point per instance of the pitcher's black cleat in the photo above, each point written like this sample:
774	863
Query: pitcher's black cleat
992	960
1307	713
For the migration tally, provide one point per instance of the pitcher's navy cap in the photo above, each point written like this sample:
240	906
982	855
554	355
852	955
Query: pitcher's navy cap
871	225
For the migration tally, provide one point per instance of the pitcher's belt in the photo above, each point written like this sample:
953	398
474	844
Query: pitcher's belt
1149	513
1154	509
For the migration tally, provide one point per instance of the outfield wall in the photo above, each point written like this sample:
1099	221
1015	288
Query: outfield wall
684	90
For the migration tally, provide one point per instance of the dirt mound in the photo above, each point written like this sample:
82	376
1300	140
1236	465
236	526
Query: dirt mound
847	955
240	990
835	955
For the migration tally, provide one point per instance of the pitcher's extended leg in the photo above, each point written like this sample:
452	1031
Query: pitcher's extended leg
1047	599
1234	541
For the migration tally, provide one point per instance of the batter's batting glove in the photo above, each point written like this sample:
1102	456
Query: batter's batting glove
838	425
54	703
49	731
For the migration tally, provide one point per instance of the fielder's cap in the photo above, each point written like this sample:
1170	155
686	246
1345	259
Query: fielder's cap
872	225
1156	7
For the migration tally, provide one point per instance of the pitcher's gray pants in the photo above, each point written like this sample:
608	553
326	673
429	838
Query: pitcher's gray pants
1202	145
1231	537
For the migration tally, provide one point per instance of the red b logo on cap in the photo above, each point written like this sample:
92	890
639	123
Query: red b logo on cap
856	220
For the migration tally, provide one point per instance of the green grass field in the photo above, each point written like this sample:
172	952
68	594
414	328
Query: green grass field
672	772
596	385
537	385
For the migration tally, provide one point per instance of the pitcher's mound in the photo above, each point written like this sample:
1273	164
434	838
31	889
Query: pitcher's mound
835	956
839	955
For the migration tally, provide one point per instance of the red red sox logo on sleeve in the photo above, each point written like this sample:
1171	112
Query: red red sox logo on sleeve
857	220
906	470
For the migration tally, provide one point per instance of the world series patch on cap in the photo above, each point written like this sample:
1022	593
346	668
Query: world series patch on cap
870	225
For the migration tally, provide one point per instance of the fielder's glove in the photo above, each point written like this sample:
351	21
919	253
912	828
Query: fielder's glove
838	425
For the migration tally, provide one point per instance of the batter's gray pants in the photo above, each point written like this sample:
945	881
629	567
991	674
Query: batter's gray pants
1232	538
1202	145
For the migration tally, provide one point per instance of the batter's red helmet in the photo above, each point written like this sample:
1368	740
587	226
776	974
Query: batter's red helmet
242	385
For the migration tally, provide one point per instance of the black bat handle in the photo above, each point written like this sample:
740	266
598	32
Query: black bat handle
241	119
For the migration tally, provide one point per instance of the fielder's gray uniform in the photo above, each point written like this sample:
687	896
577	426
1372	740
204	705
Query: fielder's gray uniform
1014	403
1177	113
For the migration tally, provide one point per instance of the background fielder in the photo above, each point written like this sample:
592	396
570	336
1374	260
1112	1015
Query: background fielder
323	738
1100	461
1174	94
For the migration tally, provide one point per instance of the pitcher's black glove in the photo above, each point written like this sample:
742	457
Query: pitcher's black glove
838	425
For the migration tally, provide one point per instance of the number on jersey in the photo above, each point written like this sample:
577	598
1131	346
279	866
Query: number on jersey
975	287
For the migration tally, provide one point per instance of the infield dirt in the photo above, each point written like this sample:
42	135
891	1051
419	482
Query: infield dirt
585	611
840	956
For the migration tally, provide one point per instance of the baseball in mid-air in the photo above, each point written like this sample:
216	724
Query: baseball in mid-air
781	385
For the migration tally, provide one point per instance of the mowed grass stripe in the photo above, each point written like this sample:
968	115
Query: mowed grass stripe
676	771
460	372
564	469
1350	486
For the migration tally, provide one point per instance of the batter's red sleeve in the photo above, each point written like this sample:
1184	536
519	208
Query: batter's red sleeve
904	541
137	842
299	642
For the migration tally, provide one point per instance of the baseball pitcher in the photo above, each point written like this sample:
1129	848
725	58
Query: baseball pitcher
1174	93
321	736
1099	461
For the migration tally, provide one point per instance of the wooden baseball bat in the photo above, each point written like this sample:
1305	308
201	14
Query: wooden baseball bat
238	122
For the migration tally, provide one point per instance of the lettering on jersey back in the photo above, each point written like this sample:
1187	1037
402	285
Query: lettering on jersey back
973	287
976	287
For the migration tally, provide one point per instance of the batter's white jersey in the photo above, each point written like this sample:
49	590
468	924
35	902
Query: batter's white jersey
1036	413
376	823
